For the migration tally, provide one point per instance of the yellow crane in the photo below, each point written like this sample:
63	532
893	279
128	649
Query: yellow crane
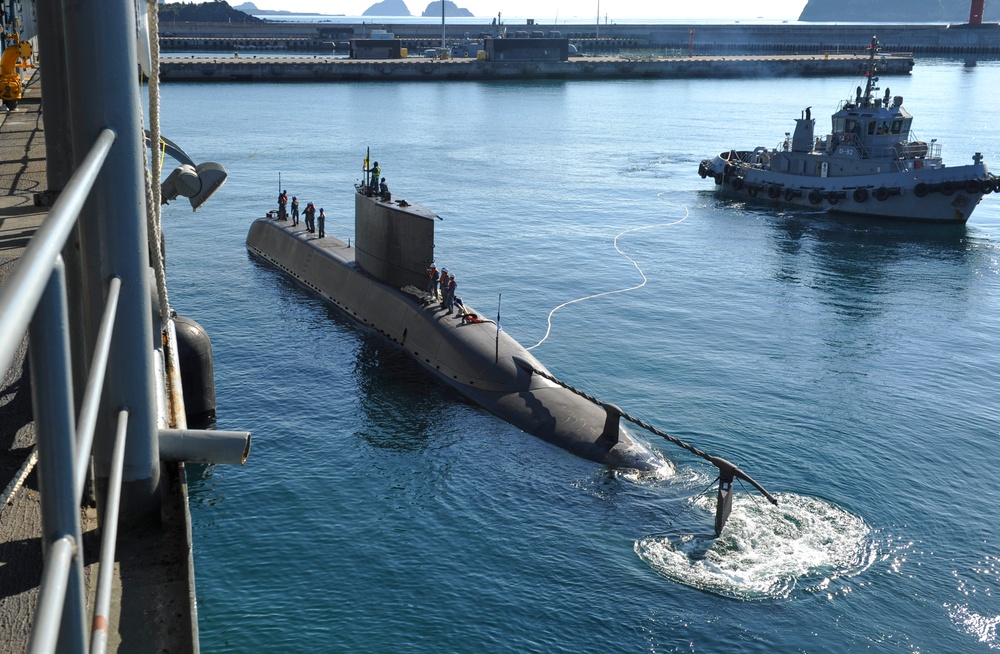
14	57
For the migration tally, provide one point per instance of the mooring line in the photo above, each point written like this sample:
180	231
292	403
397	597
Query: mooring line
727	470
548	328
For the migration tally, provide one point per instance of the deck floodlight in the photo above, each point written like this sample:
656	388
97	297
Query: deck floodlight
195	182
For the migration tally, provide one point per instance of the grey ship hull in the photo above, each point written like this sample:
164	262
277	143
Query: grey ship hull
462	356
939	195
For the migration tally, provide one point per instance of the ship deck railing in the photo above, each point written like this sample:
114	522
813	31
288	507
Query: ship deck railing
34	299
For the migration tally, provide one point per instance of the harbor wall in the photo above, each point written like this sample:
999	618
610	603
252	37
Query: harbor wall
693	38
589	68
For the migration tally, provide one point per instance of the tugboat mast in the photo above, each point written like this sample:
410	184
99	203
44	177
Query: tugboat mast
872	82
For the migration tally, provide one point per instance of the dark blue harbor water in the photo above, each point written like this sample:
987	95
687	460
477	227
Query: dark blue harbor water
851	367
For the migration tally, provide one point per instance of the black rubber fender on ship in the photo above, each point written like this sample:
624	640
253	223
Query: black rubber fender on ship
815	197
860	195
752	190
947	188
194	351
881	194
921	190
736	183
773	191
790	193
973	186
718	179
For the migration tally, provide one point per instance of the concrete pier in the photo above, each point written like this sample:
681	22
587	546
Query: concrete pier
734	38
259	69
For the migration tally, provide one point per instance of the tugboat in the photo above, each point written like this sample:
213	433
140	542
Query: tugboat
870	164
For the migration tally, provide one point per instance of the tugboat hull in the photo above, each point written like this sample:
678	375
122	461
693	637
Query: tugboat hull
945	195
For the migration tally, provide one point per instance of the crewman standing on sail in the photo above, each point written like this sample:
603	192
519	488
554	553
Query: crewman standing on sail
376	172
321	220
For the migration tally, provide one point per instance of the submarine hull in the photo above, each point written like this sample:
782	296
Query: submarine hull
476	359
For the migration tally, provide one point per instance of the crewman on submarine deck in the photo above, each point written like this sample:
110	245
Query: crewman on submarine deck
295	211
310	214
444	284
282	202
432	281
449	295
321	220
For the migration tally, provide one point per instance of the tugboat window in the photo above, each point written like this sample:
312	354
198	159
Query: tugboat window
838	124
871	128
897	126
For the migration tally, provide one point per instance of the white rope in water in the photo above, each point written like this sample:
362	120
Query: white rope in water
548	330
155	234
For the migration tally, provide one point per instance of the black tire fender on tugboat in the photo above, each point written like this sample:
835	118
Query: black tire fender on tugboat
736	183
860	195
921	190
973	186
881	194
752	190
718	179
815	197
789	194
833	197
947	188
773	191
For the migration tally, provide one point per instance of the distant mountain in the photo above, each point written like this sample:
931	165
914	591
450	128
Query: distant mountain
251	8
450	9
388	8
895	11
217	11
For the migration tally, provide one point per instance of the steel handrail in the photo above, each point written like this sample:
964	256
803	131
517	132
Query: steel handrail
95	383
102	603
52	596
23	289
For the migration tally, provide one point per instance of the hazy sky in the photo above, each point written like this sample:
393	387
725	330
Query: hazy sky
550	10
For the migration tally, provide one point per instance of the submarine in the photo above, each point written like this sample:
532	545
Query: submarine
379	281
